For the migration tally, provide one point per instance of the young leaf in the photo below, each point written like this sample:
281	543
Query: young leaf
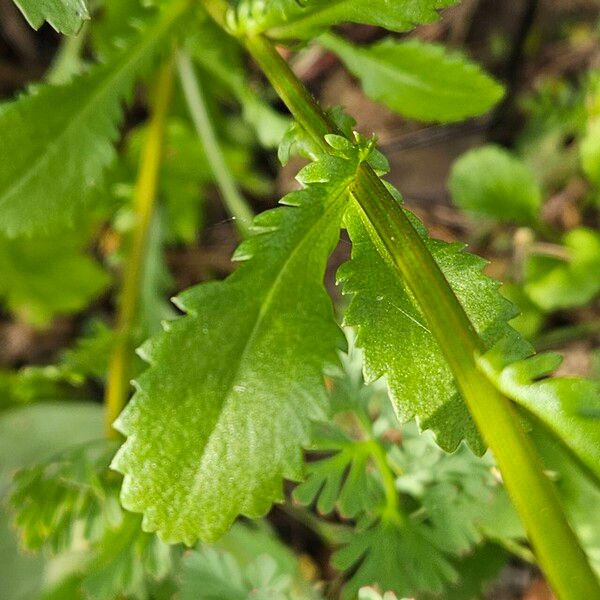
554	283
58	140
397	342
394	555
417	79
491	182
70	491
220	416
567	406
66	16
287	19
216	575
48	275
27	435
75	496
342	480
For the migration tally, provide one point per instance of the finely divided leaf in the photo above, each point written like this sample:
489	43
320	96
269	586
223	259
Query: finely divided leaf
397	342
307	18
74	497
340	481
214	575
66	16
221	415
58	140
394	555
419	80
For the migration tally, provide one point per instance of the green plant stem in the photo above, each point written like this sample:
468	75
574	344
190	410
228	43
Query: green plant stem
569	333
389	481
117	387
556	546
532	493
332	533
68	61
194	95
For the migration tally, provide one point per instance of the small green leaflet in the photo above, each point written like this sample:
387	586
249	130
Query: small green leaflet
58	140
66	16
417	79
395	554
340	481
47	276
554	283
304	19
215	575
454	489
492	182
220	417
74	497
395	338
567	406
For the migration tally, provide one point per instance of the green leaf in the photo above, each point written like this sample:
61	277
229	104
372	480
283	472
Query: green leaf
227	403
340	481
567	406
453	489
89	356
51	498
589	150
531	319
492	182
184	176
476	571
396	556
293	19
247	541
216	575
66	16
220	56
26	435
555	283
589	146
73	498
579	492
58	140
397	342
47	276
417	79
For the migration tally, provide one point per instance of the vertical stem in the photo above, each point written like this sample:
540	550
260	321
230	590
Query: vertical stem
68	61
192	89
557	548
117	388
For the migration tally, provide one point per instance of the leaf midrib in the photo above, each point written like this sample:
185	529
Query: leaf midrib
264	309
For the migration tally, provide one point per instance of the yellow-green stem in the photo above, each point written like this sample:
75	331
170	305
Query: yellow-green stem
557	548
194	96
118	384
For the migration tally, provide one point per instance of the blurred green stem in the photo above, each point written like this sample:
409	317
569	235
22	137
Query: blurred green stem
557	338
118	384
68	61
194	95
